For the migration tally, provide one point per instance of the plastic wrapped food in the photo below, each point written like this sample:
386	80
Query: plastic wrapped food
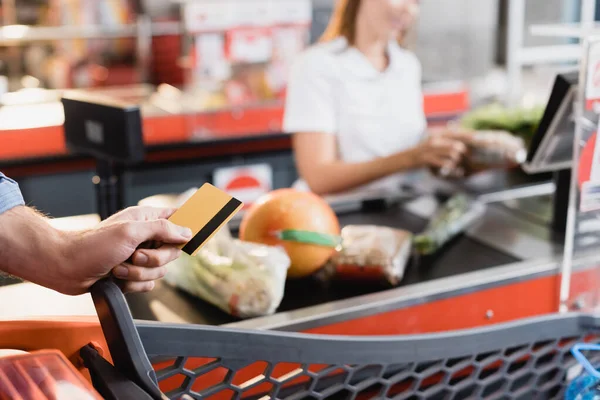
496	148
44	374
486	150
453	218
370	252
243	279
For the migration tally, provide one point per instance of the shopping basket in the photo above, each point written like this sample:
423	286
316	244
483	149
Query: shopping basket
524	359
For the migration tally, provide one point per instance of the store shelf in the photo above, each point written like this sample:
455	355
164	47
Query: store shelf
549	54
519	55
576	30
167	28
19	34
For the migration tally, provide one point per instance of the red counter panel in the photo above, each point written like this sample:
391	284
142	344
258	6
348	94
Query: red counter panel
49	141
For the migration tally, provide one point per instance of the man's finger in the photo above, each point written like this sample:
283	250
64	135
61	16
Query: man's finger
136	287
155	257
161	230
143	213
134	273
154	213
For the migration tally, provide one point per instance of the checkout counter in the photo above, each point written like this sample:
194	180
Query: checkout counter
461	286
505	267
183	145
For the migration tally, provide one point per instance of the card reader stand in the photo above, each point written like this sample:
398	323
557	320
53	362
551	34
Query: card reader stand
551	147
110	131
560	201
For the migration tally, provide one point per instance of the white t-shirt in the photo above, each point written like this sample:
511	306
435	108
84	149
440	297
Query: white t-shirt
334	89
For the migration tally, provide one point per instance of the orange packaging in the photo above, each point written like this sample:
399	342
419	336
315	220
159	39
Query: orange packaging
42	375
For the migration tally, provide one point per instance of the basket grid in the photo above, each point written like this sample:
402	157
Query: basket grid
535	370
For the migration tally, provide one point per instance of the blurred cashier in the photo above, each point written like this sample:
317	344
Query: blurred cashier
355	105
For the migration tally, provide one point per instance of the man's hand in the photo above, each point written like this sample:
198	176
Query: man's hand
71	262
113	247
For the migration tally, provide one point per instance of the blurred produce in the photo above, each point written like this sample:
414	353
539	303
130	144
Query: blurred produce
496	148
371	253
248	84
290	218
488	150
522	122
453	218
243	279
214	101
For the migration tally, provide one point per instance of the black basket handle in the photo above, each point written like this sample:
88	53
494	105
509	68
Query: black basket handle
122	337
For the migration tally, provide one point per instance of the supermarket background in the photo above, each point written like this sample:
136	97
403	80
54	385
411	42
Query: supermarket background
219	85
489	310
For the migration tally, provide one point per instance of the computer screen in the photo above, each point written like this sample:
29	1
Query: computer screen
551	148
103	127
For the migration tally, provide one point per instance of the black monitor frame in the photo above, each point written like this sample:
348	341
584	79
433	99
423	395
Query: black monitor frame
109	130
551	148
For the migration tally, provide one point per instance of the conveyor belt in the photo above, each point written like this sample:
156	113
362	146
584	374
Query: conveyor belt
463	255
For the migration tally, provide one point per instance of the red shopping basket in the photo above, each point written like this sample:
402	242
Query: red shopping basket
525	359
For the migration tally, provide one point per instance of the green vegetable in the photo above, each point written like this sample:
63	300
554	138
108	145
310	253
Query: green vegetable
309	237
453	218
522	122
241	278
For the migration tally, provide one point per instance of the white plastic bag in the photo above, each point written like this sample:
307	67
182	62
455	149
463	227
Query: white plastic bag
243	279
496	148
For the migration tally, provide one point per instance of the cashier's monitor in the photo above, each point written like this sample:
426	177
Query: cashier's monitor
109	130
551	147
103	127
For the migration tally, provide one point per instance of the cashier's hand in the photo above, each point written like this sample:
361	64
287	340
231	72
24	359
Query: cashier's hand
441	149
112	248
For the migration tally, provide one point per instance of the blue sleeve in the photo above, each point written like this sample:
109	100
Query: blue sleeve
10	194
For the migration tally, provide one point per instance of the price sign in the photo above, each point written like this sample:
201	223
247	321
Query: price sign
207	16
592	88
249	45
246	182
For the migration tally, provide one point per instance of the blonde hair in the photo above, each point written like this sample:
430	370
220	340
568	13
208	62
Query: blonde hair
343	23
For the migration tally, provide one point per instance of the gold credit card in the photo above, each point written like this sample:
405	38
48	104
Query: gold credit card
205	213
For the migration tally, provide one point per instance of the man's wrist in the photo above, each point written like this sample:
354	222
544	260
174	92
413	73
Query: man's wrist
34	250
60	243
64	258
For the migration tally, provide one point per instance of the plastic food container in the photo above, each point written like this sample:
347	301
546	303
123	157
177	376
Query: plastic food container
42	375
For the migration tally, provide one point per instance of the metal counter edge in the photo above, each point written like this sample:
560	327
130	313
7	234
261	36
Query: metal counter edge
371	304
